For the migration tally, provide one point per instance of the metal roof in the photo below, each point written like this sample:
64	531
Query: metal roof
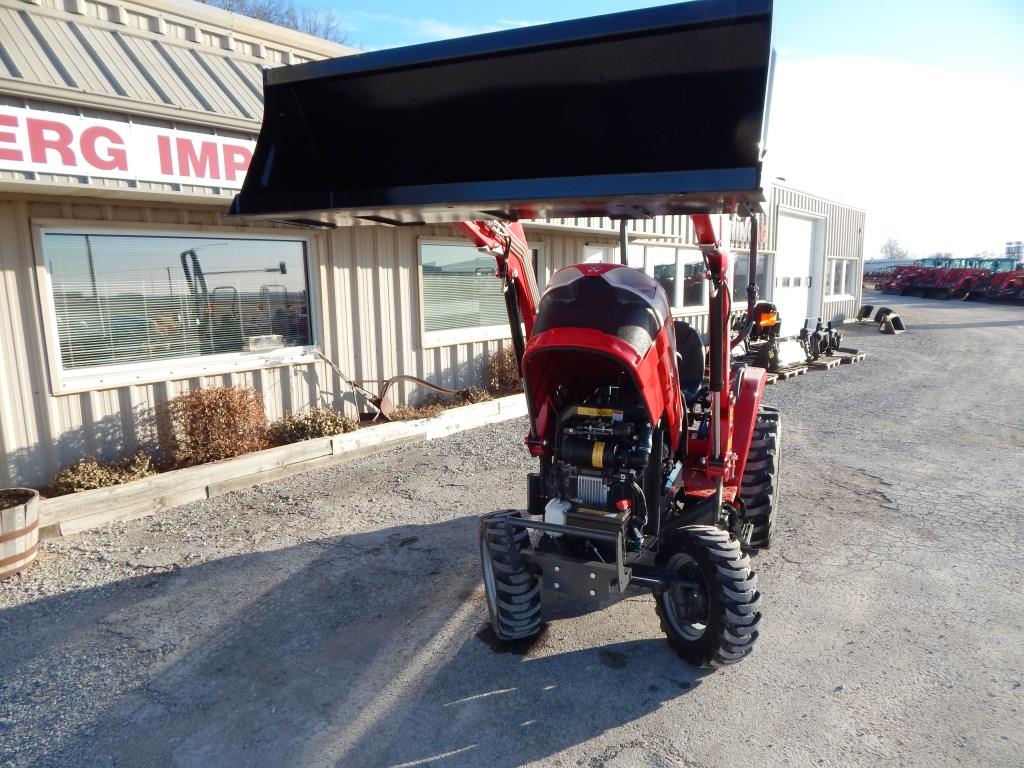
174	59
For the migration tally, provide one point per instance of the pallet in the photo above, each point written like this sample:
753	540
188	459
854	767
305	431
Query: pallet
771	378
848	356
825	363
791	371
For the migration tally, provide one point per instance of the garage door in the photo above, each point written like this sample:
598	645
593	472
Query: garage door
794	259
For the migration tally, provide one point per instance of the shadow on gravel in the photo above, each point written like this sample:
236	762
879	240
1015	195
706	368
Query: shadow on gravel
959	326
362	650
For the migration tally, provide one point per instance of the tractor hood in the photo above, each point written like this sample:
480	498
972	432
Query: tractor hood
657	111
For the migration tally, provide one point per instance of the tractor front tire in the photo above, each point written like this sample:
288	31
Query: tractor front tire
513	593
709	612
759	491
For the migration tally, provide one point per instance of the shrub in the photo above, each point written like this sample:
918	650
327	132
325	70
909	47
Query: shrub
217	423
503	372
426	410
318	422
435	405
476	395
90	473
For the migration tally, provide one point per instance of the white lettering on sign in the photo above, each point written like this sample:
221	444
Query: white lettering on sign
49	142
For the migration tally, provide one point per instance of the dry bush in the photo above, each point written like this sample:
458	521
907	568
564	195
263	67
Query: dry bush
435	405
90	473
217	423
476	395
428	409
317	422
503	372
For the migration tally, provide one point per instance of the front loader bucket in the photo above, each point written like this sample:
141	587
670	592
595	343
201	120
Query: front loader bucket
892	324
882	312
656	111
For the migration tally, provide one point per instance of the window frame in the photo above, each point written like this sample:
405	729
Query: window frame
684	255
454	336
835	284
79	380
676	263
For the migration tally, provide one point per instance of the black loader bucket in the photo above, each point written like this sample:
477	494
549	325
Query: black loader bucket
892	324
633	114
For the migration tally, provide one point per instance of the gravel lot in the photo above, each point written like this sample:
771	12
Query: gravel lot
335	618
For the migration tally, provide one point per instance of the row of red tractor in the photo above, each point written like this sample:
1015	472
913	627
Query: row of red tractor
969	283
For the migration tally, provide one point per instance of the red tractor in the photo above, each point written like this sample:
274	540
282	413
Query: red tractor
999	286
657	464
962	281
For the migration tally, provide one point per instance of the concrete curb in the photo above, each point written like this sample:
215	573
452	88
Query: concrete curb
89	509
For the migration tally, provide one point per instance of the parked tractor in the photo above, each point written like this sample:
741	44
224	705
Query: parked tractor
961	281
1005	286
657	464
901	281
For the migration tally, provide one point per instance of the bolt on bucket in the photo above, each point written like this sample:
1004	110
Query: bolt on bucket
657	111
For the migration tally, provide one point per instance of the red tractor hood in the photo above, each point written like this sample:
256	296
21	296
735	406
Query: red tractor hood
600	321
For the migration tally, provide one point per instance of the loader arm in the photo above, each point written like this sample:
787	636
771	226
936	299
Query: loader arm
507	243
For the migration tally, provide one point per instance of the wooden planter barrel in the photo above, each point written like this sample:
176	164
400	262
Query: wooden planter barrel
19	530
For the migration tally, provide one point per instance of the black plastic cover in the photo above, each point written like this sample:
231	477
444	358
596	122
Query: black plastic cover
591	302
640	113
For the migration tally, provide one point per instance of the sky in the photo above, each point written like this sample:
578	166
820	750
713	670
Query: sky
910	110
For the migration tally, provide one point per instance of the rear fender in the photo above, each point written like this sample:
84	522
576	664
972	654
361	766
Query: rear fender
748	401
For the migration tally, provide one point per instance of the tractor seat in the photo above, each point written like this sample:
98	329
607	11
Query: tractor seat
689	360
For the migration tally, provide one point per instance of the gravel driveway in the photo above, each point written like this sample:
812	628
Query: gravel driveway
336	618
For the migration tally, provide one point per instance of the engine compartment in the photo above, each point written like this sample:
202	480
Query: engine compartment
608	466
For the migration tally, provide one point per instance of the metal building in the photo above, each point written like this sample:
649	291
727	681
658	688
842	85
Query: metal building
125	128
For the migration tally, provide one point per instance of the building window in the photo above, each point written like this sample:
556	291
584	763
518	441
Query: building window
739	286
127	299
462	298
661	265
840	277
540	268
694	285
597	254
666	265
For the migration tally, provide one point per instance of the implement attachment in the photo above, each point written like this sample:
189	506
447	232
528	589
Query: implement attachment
657	111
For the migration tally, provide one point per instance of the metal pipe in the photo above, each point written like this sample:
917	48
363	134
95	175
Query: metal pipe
623	242
568	530
716	335
752	267
716	437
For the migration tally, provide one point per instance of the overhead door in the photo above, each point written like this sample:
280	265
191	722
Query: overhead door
794	260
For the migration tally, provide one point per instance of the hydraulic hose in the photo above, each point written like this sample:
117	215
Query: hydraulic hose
748	326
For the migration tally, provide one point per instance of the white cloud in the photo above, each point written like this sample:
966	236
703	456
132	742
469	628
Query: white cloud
934	156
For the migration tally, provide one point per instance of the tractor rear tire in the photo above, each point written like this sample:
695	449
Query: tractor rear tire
513	593
710	615
759	491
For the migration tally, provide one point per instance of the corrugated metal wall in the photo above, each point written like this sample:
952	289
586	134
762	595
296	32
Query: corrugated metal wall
367	285
366	279
844	238
39	432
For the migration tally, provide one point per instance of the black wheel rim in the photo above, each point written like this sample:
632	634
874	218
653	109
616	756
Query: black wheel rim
687	602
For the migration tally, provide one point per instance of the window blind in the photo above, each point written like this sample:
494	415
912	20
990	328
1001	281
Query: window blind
459	288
